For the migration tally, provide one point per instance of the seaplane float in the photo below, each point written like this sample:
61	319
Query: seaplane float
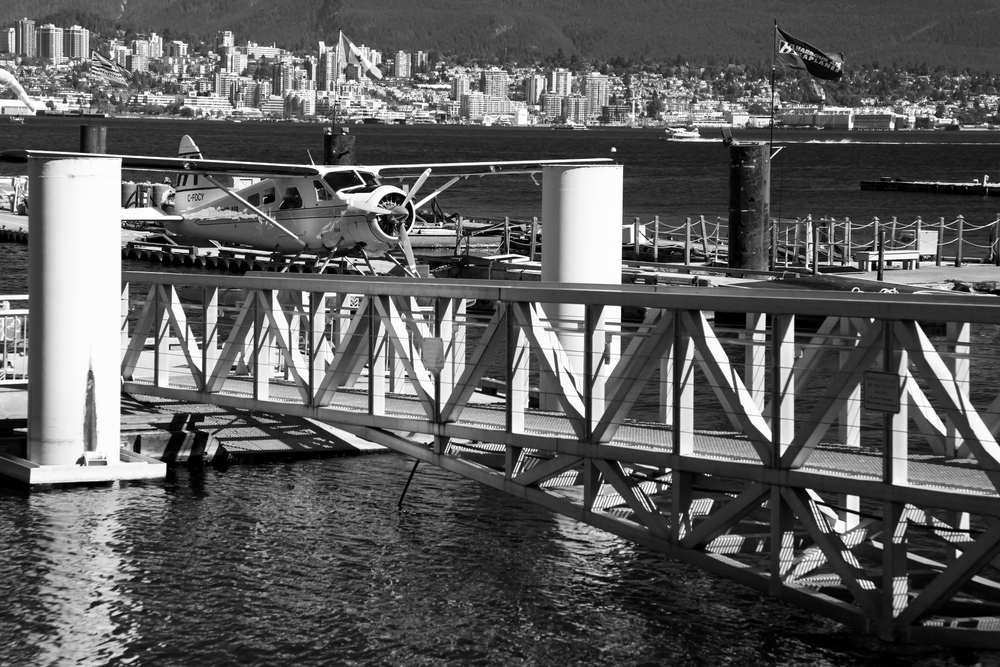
327	210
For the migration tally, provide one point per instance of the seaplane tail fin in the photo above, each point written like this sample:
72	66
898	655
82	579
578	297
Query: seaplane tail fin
189	149
193	191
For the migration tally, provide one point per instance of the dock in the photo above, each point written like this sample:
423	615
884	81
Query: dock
979	188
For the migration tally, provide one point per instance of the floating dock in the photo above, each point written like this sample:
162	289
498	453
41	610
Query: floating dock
980	188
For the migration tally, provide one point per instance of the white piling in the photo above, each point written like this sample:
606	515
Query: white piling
582	243
74	355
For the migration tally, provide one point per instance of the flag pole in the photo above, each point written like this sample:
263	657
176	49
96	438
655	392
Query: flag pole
774	35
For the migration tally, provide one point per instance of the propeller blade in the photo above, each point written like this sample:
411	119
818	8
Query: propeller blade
416	187
404	243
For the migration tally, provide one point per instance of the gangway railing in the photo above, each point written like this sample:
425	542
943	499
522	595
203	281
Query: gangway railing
837	451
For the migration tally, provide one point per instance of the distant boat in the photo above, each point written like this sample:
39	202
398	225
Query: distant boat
569	125
682	133
17	119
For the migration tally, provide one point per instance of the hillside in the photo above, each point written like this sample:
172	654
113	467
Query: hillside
959	35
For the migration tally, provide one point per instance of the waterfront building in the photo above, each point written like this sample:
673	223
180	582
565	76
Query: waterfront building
50	44
560	82
576	109
8	40
402	65
534	87
209	105
473	106
552	107
25	38
597	89
495	83
616	114
76	43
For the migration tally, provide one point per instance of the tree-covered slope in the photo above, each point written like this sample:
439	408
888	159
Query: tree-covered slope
958	34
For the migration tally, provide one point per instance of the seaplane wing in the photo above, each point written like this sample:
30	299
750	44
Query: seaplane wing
467	169
178	164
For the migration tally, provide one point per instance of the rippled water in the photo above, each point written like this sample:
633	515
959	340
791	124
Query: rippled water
311	563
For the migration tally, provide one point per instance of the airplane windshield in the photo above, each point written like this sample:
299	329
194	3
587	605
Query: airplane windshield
344	180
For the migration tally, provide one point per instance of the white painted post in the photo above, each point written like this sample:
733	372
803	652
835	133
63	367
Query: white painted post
582	215
74	282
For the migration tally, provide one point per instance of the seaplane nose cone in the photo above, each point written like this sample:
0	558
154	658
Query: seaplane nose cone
400	212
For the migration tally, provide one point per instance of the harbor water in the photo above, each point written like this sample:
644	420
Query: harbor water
312	562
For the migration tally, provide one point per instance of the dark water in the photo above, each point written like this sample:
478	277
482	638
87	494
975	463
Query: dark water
817	172
311	563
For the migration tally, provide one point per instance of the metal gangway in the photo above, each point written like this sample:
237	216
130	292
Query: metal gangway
835	450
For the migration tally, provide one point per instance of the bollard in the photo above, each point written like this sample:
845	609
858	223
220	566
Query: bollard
958	247
534	239
881	255
656	239
848	243
940	247
687	242
916	239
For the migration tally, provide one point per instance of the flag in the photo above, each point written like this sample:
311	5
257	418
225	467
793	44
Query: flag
351	55
797	54
109	70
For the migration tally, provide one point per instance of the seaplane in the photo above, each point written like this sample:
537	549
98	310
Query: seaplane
327	210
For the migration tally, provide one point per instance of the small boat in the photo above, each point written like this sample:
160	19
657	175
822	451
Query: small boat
569	125
17	119
682	133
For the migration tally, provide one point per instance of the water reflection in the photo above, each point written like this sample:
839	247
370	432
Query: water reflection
72	604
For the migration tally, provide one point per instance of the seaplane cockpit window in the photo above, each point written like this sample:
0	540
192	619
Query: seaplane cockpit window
291	199
254	199
268	196
322	194
343	180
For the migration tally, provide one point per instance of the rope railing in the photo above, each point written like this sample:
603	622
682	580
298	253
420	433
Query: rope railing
811	243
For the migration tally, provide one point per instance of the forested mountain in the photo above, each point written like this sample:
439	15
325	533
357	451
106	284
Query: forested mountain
959	34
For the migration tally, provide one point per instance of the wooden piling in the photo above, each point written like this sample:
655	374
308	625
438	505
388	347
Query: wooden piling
749	205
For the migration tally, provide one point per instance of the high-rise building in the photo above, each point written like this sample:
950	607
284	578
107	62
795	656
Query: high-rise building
326	68
7	40
402	66
24	38
576	108
460	85
534	87
597	89
224	40
76	43
560	82
494	83
50	44
418	62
